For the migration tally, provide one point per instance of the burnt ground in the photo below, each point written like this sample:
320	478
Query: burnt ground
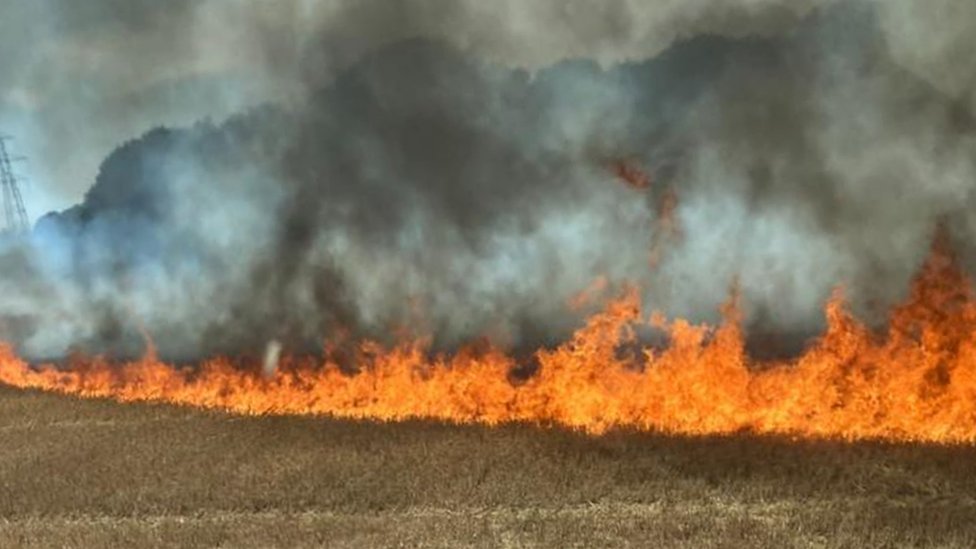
94	473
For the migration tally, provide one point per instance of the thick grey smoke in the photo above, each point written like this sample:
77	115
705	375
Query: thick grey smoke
445	168
78	78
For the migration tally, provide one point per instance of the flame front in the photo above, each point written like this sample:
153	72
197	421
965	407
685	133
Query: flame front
916	381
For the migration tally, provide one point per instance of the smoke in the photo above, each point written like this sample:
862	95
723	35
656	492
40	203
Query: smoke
446	168
80	78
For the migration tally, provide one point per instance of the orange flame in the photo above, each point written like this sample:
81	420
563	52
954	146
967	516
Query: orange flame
916	381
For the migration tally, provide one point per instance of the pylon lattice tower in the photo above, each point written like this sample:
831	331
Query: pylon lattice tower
14	213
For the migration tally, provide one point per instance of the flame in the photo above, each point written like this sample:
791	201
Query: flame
914	382
630	174
667	230
588	295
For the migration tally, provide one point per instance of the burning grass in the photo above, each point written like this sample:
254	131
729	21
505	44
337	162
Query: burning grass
915	382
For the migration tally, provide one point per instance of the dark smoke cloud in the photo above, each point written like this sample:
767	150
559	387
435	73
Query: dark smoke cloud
78	78
460	184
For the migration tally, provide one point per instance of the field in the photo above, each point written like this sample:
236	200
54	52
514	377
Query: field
93	473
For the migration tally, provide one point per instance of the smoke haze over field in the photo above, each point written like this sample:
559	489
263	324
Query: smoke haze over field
447	166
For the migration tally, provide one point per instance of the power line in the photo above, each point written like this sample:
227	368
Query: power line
14	213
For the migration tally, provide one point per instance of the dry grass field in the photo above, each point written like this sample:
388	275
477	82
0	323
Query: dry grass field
77	473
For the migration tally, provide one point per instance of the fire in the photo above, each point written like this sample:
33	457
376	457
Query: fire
914	382
666	228
631	174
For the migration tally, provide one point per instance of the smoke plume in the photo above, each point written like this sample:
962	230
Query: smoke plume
453	170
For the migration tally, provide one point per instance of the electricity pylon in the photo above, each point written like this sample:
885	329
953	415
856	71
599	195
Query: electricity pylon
14	214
